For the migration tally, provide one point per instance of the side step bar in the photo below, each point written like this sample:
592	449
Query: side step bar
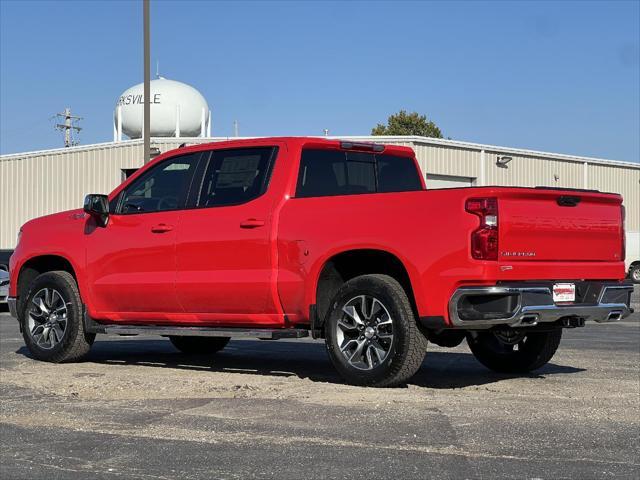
262	333
91	326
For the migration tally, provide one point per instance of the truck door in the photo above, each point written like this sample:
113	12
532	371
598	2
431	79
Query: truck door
224	257
131	263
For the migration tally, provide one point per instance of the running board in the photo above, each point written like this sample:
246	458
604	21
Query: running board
262	333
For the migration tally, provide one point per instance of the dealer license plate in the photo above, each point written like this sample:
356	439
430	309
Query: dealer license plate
564	292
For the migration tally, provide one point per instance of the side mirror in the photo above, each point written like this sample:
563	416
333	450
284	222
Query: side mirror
98	207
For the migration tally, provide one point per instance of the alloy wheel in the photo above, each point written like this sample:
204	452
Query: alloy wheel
47	318
365	332
509	340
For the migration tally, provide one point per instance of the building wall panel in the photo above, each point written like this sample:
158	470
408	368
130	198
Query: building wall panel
39	183
525	171
36	185
624	181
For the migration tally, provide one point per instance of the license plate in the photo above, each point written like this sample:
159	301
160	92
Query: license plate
564	292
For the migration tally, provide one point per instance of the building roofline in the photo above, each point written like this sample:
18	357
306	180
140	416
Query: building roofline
491	148
75	148
368	138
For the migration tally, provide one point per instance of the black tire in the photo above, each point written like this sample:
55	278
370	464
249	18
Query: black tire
199	345
634	273
75	343
533	351
406	349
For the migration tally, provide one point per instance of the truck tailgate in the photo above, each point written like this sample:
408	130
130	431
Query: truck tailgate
559	225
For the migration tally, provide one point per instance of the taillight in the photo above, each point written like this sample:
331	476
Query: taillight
623	255
484	239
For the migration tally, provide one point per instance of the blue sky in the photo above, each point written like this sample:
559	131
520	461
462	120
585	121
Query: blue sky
553	76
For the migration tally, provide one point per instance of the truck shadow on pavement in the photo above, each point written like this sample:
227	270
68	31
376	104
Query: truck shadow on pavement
441	369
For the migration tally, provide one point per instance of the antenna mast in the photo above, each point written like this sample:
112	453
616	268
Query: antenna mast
69	127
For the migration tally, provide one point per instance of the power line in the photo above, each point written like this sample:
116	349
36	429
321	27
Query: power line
69	127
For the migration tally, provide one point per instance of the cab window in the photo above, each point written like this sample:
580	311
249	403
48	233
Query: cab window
325	172
162	188
236	176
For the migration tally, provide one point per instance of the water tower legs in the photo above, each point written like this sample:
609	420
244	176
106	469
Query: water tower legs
117	126
178	121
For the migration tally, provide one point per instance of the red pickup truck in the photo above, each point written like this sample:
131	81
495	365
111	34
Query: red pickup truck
282	237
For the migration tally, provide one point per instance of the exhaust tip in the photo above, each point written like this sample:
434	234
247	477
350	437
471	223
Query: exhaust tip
529	319
614	316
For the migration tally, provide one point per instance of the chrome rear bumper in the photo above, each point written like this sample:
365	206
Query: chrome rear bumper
527	306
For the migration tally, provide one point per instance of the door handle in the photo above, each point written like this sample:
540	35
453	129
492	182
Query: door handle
252	223
161	228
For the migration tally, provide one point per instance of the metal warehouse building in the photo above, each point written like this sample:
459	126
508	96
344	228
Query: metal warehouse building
37	183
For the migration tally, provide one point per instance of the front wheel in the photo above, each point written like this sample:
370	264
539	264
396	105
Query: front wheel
510	351
52	323
371	333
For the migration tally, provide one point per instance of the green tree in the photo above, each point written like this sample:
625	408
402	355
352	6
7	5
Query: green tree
403	123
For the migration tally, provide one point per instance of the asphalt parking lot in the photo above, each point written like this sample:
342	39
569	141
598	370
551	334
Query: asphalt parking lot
139	409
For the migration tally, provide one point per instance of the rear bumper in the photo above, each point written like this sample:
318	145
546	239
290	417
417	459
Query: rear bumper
527	305
13	306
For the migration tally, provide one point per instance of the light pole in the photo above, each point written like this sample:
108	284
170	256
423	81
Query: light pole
146	135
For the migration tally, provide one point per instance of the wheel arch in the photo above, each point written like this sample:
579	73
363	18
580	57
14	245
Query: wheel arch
346	264
39	264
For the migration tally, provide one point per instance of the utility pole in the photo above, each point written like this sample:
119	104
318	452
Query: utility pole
147	81
69	126
235	128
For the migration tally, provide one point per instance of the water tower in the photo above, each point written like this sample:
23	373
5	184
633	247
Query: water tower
177	110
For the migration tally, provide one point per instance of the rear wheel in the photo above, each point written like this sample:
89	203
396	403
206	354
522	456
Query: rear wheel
371	333
510	351
634	273
199	345
52	323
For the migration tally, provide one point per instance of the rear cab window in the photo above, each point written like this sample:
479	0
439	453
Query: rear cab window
235	176
325	172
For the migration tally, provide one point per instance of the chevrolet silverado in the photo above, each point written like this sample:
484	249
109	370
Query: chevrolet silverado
285	237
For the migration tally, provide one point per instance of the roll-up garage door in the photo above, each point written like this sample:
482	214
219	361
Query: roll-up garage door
448	181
